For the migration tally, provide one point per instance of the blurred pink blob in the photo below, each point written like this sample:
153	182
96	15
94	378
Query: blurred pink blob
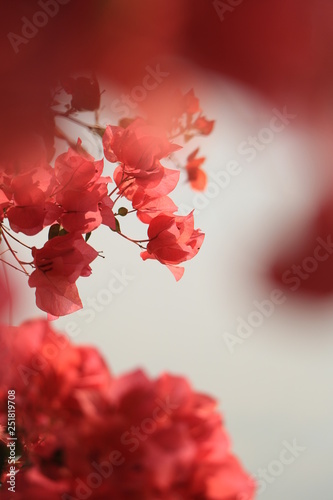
307	267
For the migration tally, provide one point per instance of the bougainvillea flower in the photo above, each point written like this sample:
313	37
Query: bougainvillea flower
178	113
172	240
155	186
203	126
57	385
73	198
4	201
143	439
80	191
81	210
30	192
77	169
196	176
190	103
61	376
148	208
58	265
105	206
137	147
181	447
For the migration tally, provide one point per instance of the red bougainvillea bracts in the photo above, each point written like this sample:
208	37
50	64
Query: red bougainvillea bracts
196	176
143	439
73	196
172	240
57	266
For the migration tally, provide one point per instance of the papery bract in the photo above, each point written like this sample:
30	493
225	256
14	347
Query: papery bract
180	114
58	265
196	176
190	103
172	240
137	147
148	208
30	192
203	126
80	191
76	170
155	186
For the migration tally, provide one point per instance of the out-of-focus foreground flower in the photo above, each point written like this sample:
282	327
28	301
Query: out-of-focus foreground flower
84	433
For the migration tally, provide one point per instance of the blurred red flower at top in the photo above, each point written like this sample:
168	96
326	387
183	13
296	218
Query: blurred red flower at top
143	439
284	52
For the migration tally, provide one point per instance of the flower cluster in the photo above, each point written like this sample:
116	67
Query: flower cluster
188	119
73	198
182	116
143	439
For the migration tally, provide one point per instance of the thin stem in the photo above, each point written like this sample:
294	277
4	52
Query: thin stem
10	301
179	133
11	265
93	128
191	132
176	162
137	242
13	254
18	241
61	135
119	196
129	178
113	191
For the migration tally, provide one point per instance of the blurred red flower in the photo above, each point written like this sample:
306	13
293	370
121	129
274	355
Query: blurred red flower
84	433
307	267
196	176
